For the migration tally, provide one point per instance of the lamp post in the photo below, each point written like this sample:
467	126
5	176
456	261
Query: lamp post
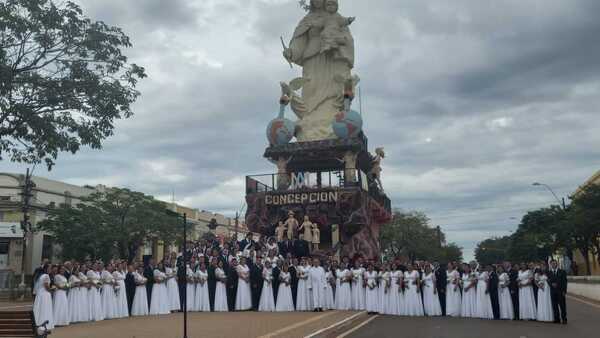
560	202
185	295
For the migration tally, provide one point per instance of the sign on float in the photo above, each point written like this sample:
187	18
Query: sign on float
302	198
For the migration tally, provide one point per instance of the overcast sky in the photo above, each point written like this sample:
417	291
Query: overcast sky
472	100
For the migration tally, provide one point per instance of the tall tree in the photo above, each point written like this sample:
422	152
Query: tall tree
63	80
584	218
114	222
492	250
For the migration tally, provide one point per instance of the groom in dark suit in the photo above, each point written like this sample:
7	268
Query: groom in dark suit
557	278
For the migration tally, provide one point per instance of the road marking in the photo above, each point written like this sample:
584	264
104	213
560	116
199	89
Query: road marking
583	301
357	327
14	306
335	324
297	325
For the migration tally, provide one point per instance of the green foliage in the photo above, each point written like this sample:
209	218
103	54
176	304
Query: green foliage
63	80
410	234
112	223
492	250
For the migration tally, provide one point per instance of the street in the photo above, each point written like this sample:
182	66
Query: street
584	322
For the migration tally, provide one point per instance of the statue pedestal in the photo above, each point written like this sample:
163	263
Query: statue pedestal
327	181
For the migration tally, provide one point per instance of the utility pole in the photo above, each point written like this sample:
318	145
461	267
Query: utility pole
185	264
25	223
237	222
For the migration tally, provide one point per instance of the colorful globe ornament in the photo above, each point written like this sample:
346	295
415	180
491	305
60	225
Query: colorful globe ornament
281	130
347	124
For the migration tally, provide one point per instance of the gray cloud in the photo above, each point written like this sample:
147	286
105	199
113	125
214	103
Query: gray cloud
473	101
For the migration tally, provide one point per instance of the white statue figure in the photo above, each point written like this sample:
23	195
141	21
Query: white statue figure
376	166
306	229
324	47
316	236
291	224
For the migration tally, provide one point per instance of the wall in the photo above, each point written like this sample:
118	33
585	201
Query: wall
588	287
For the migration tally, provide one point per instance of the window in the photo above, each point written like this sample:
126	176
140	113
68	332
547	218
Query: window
47	247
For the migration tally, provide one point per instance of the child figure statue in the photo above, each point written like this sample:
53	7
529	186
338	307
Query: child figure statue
280	231
332	28
316	236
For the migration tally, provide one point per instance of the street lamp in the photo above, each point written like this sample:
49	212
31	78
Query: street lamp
184	267
560	203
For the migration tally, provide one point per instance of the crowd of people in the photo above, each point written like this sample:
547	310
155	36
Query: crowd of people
263	276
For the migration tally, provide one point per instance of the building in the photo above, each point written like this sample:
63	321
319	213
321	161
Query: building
577	257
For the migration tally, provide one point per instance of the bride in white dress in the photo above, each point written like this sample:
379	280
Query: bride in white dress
414	303
395	292
159	301
527	310
372	296
140	298
94	297
243	297
202	302
469	296
190	287
284	292
329	303
84	295
544	305
42	306
431	301
453	301
61	303
303	294
343	294
119	276
109	298
78	306
358	298
385	279
504	299
221	289
266	302
484	302
172	287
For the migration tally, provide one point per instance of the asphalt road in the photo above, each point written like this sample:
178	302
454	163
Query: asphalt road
584	322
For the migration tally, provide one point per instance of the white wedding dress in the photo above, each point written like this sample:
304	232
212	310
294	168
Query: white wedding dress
384	284
358	291
172	289
109	298
504	299
303	299
329	303
393	307
220	292
484	302
122	308
343	294
431	301
61	303
94	297
243	297
527	308
42	306
284	293
372	295
159	302
78	306
140	298
190	289
201	301
414	302
453	300
267	303
544	305
469	296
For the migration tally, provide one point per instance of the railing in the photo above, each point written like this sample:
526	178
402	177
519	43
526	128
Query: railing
306	180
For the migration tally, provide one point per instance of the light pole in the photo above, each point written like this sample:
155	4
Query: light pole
185	295
560	202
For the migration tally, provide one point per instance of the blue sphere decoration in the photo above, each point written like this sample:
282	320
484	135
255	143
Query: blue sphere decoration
347	124
280	131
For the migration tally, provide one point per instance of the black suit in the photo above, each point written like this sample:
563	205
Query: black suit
513	287
211	281
441	279
301	248
275	283
558	286
294	282
493	290
232	284
256	284
149	275
130	289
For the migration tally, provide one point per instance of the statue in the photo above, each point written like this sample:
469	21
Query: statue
291	224
280	231
306	229
316	236
376	167
324	47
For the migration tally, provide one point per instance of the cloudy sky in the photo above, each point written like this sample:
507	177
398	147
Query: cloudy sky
472	100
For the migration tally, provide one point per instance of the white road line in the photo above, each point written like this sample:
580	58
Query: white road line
297	325
335	324
357	327
583	301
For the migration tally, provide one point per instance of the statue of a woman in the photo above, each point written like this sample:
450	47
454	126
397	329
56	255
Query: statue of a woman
324	68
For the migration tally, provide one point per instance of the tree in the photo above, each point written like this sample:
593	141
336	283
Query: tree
584	219
63	80
492	250
115	222
410	234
